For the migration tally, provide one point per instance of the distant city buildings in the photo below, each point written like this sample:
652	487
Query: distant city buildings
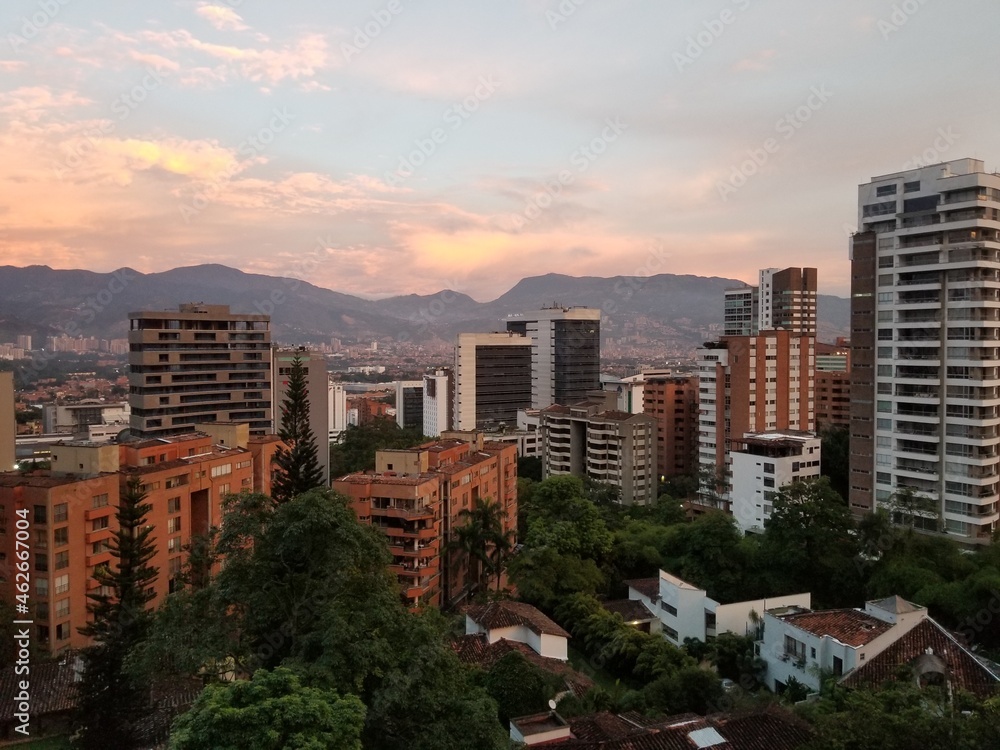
8	423
201	363
336	409
438	402
784	299
925	348
493	379
410	404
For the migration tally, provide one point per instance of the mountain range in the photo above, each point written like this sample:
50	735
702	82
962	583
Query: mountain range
677	311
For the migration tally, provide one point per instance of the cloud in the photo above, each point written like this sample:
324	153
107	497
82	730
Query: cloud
222	18
11	66
757	62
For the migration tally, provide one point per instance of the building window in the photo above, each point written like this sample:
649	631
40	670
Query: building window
670	633
99	501
61	536
795	648
62	631
42	586
173	525
62	607
62	560
62	584
669	609
60	513
769	469
218	471
41	562
41	514
101	523
174	545
174	505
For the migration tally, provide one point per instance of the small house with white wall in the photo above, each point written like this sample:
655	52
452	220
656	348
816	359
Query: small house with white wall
519	622
686	611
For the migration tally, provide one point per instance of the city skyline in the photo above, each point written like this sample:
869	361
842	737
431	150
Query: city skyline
391	148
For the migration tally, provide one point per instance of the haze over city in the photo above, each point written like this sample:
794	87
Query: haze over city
388	147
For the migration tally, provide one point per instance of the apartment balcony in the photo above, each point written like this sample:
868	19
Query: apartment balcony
415	571
914	448
429	512
917	429
414	550
920	468
407	533
919	411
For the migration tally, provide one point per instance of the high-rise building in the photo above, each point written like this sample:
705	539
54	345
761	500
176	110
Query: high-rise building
761	383
24	342
925	348
199	364
438	402
833	385
672	400
336	409
493	379
317	390
565	353
8	422
410	404
784	299
590	440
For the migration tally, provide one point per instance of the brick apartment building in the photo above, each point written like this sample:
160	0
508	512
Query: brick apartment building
416	496
672	400
72	513
833	384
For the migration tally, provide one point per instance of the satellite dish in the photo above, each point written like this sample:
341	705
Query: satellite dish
552	704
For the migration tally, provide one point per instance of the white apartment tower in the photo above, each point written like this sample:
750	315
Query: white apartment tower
925	318
437	402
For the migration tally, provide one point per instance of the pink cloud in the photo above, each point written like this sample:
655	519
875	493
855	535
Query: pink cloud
222	18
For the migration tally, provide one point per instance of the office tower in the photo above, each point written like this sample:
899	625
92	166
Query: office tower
762	383
565	353
199	364
410	404
416	497
833	385
589	439
438	402
8	422
925	348
784	299
317	389
493	379
672	400
337	409
24	342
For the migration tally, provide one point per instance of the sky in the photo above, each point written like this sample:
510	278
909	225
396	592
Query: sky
406	146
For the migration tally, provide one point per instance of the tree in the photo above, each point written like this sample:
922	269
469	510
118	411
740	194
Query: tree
530	467
355	448
483	543
836	456
113	697
273	711
297	460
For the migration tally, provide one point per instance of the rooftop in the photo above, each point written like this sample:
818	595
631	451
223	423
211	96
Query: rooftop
648	587
387	478
508	614
631	610
849	626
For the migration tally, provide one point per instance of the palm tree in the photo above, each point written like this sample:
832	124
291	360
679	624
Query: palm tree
483	542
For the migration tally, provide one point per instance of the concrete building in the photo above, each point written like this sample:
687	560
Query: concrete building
673	402
417	495
493	379
317	390
685	611
629	391
76	418
336	409
751	384
72	513
199	364
410	404
763	463
23	342
8	422
925	347
833	385
519	623
590	440
439	402
783	299
565	353
527	437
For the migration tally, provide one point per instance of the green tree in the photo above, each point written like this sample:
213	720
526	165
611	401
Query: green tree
297	462
355	449
483	543
272	711
518	686
836	456
113	696
530	467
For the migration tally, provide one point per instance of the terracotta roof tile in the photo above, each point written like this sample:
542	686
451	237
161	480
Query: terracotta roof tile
507	614
53	689
631	610
648	587
850	626
964	670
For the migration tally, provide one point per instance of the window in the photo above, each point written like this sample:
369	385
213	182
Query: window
41	562
174	505
838	664
173	525
670	633
669	609
62	631
62	607
42	586
62	560
174	545
99	501
769	481
41	514
884	190
99	547
769	469
219	471
908	187
60	513
61	536
101	523
62	584
795	648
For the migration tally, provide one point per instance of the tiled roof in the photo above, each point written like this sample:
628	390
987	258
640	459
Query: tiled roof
648	587
849	626
53	689
631	610
506	614
475	649
897	605
964	670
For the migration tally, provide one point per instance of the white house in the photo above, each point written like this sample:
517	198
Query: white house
806	645
516	621
686	611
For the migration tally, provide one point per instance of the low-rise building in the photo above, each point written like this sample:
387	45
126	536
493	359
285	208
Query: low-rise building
518	622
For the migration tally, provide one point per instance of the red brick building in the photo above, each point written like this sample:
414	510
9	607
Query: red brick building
672	400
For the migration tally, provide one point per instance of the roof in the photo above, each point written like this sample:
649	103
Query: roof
897	605
849	626
478	651
631	610
17	479
394	478
53	689
965	670
648	587
507	614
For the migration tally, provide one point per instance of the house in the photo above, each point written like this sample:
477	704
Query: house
802	644
686	611
634	612
518	622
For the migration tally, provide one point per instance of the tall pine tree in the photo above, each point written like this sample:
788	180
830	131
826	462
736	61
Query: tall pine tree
113	699
298	464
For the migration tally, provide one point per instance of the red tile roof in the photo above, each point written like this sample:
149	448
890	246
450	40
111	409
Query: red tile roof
648	587
476	650
850	626
506	614
963	669
53	690
631	610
